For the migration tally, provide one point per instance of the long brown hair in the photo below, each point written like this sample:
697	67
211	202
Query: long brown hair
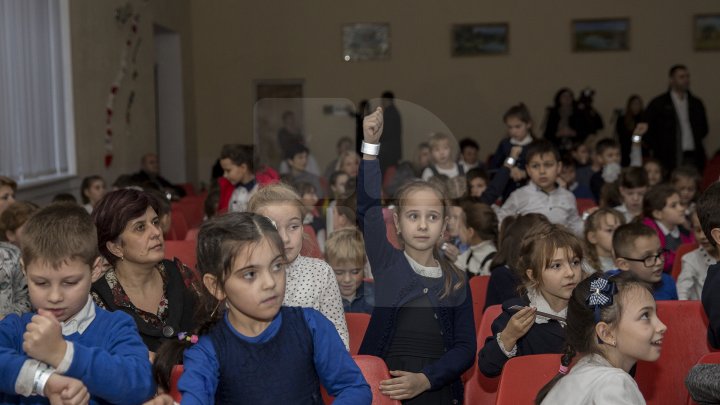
592	224
454	278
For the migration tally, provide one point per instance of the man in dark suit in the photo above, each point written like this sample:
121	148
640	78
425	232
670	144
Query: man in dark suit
677	124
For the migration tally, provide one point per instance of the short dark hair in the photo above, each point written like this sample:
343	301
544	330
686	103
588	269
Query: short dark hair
294	150
64	198
686	171
633	177
708	210
656	198
15	216
541	147
7	181
113	213
604	144
519	111
57	233
86	184
468	143
388	95
239	155
675	68
623	240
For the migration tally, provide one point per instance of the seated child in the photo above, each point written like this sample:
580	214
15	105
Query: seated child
348	163
250	349
518	123
469	158
13	219
542	194
92	191
296	157
13	286
70	348
663	212
443	152
599	229
632	184
686	181
477	182
585	167
569	177
504	277
238	182
695	264
637	250
552	256
654	170
708	209
612	323
607	152
309	197
477	228
345	253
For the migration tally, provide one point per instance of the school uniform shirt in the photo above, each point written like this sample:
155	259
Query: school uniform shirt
559	206
694	271
13	286
452	172
664	289
100	344
545	336
334	366
241	195
477	259
311	283
622	208
364	300
594	381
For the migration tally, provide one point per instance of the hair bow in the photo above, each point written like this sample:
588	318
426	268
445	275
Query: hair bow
602	291
190	338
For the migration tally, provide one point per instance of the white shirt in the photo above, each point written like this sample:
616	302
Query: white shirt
681	109
692	276
471	259
240	197
594	381
311	283
675	233
452	172
559	206
525	141
425	271
623	210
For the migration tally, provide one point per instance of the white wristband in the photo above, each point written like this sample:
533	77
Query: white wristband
370	148
41	378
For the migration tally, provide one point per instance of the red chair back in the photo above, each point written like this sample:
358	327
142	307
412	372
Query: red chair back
174	377
684	344
357	324
192	234
478	388
584	204
711	173
188	187
374	370
524	376
183	250
681	251
193	209
310	246
178	226
478	286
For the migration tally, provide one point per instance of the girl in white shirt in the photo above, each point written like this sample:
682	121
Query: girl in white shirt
477	227
599	229
612	322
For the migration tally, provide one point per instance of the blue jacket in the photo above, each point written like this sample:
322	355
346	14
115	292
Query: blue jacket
364	299
110	359
711	303
396	284
663	290
503	285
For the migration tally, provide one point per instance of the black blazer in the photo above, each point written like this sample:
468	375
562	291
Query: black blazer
541	338
664	129
711	304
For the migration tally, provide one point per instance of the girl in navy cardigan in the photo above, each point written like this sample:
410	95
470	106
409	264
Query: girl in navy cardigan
422	323
251	350
551	256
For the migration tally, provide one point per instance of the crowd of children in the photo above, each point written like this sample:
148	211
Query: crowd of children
400	246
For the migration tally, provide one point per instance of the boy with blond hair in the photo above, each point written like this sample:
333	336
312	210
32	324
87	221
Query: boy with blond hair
70	351
345	252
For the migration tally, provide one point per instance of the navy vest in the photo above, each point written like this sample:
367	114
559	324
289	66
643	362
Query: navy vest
279	371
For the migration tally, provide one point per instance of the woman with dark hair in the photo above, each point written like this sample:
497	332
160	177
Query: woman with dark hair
626	124
159	294
562	120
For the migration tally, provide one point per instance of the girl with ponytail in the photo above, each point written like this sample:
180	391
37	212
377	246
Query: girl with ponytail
611	323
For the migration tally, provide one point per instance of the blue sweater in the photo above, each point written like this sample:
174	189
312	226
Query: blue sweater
110	359
663	290
396	284
337	371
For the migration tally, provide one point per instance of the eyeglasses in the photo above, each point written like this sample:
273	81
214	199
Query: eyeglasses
651	260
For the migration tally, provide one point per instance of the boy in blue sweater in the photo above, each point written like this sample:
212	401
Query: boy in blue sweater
70	351
637	249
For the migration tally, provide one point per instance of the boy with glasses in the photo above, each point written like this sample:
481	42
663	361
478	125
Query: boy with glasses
637	249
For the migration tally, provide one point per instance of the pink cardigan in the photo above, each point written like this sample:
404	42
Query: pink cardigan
685	237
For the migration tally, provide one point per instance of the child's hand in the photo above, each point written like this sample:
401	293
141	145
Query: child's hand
66	391
515	152
517	327
451	251
640	128
43	339
373	126
163	399
517	174
406	385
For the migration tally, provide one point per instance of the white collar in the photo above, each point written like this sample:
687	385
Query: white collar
540	303
525	141
81	321
540	190
675	233
425	271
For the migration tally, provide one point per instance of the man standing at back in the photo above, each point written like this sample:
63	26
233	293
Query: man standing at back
677	124
392	141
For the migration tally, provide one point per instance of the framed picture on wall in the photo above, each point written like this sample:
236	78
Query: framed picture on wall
706	32
366	41
480	39
600	35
